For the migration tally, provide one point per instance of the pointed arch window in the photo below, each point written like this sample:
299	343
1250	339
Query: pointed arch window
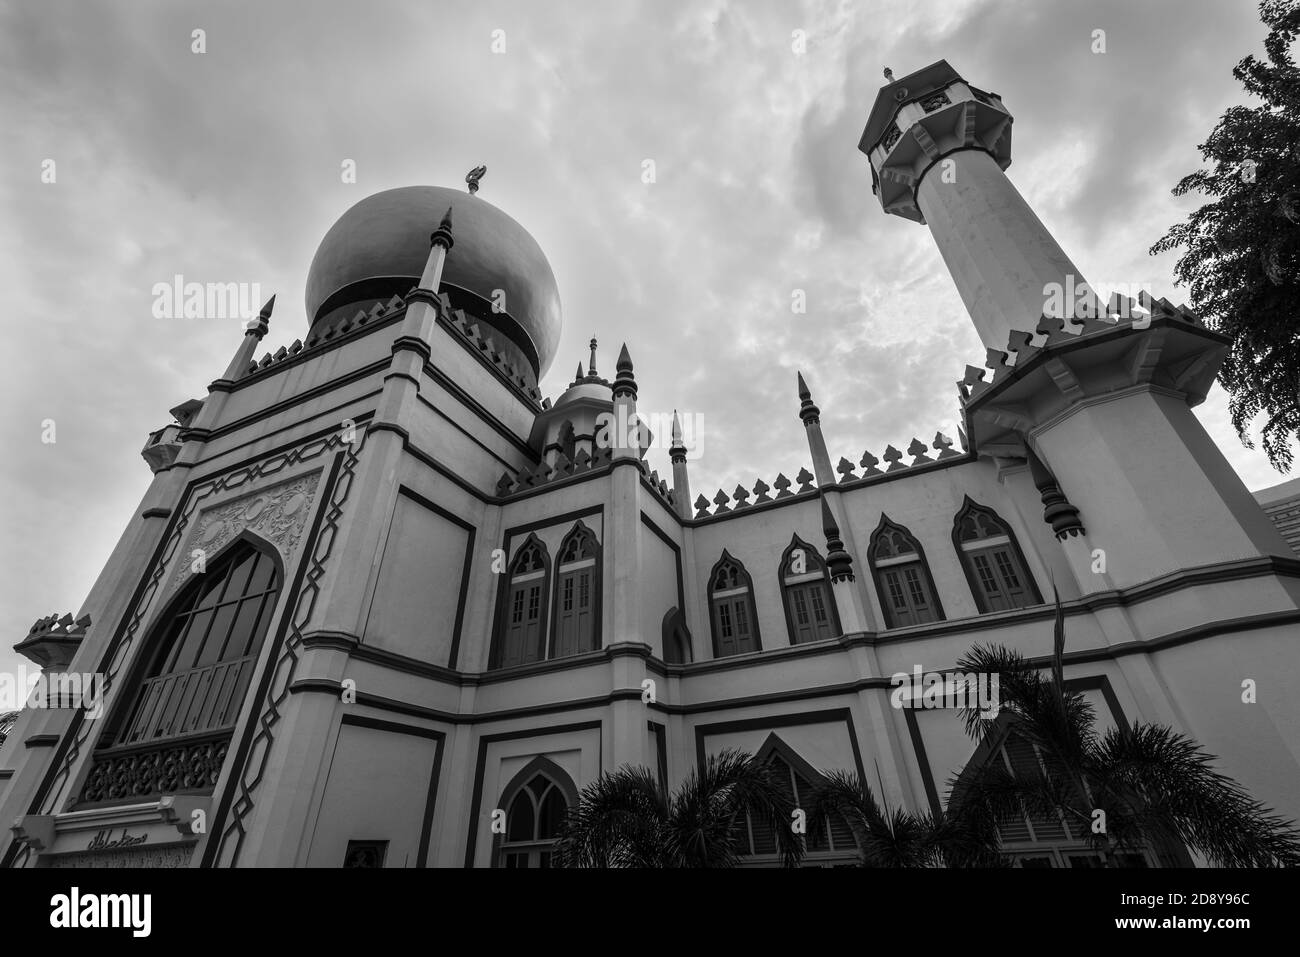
676	638
577	594
567	440
903	581
731	609
536	801
828	843
191	685
810	613
521	633
991	557
1042	838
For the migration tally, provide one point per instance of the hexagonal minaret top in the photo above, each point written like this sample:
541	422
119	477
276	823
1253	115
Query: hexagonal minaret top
919	119
938	149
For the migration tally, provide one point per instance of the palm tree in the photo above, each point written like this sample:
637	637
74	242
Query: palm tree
627	818
1151	782
900	838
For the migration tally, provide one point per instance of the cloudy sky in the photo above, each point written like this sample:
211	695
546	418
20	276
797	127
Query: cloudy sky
226	166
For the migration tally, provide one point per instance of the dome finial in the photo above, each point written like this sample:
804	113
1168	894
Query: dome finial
473	176
591	370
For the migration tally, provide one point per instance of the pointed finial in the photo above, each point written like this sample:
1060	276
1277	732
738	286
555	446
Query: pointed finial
591	371
473	176
677	451
624	383
809	414
259	325
838	560
577	377
442	235
889	74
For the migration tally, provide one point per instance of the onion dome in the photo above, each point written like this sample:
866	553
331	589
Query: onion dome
496	273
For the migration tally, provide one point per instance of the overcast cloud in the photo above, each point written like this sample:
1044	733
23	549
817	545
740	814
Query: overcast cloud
225	167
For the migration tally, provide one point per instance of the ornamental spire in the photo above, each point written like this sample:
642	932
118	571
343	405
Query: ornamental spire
258	327
624	383
837	559
1057	510
808	412
442	235
591	369
677	451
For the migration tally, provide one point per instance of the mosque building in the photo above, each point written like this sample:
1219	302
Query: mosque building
384	604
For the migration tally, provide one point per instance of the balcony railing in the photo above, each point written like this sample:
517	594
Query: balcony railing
188	702
176	736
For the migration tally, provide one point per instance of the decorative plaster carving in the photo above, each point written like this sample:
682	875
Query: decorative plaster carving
278	514
175	855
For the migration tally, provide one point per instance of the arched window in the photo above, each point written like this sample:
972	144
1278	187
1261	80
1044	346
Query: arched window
676	638
521	633
185	696
810	613
577	594
992	560
829	843
903	583
536	801
731	606
1046	839
200	669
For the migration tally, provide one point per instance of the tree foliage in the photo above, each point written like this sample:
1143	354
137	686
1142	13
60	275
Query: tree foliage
1241	251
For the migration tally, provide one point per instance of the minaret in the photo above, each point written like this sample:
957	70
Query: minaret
812	423
938	148
681	480
1107	404
622	543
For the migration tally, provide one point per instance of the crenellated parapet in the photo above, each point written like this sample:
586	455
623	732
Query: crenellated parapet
53	640
893	459
454	319
1067	360
544	474
740	495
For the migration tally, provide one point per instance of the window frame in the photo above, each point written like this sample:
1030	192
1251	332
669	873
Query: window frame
966	557
161	644
788	589
743	593
879	570
579	532
505	601
558	777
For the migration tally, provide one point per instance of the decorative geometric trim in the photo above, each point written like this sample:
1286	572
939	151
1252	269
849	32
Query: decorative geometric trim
274	686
